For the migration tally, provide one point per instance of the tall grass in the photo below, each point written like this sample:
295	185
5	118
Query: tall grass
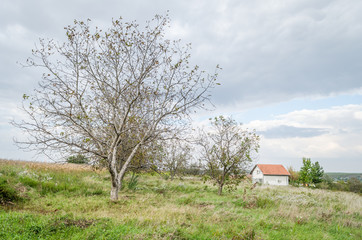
66	202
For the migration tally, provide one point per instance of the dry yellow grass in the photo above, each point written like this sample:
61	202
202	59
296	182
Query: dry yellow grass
191	207
47	166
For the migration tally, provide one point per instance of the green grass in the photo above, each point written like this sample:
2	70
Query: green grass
60	202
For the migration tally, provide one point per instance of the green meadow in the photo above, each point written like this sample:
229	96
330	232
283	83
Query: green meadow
53	201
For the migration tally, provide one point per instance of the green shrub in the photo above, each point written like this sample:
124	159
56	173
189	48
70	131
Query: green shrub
78	159
185	200
7	193
27	181
48	187
354	185
264	202
133	182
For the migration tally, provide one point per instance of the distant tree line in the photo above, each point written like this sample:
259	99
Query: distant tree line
312	175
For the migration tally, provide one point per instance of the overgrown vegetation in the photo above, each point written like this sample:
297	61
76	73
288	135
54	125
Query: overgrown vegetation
72	202
227	150
78	159
127	88
312	175
351	185
8	194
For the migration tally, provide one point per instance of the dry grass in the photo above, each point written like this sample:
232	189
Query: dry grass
188	208
63	167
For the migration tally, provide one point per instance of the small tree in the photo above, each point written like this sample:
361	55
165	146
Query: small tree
105	94
317	173
305	172
227	151
175	156
310	173
294	175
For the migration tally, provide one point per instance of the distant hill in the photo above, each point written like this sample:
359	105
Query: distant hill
344	176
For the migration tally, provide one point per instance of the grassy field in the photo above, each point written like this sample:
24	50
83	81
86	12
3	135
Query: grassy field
51	201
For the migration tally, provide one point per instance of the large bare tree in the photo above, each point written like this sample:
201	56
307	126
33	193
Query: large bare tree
107	93
227	150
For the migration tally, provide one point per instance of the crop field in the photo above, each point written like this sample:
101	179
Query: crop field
54	201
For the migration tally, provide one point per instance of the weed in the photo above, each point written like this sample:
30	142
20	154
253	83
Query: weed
8	194
27	181
247	234
185	200
264	202
72	202
67	222
133	182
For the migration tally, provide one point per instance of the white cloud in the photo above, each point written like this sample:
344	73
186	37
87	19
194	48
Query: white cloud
340	139
270	52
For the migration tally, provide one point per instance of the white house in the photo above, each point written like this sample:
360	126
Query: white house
272	174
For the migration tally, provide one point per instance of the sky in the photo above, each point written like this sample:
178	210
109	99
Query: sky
292	70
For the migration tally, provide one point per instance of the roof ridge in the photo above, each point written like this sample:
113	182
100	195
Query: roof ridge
272	169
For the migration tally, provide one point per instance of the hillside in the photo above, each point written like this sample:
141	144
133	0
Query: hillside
337	176
49	201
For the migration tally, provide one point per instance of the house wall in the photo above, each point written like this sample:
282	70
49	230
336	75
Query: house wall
257	175
276	180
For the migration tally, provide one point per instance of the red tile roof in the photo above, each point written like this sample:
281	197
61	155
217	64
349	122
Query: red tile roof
273	169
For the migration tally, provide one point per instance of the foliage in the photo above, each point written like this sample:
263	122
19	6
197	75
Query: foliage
351	185
173	157
310	173
78	159
316	173
344	176
8	194
109	94
294	176
305	172
133	182
179	209
227	151
354	185
194	169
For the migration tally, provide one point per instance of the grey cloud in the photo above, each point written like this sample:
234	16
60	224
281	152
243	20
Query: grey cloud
285	131
269	51
277	55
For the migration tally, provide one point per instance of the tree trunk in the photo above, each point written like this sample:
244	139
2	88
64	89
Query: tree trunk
116	186
114	193
172	175
220	188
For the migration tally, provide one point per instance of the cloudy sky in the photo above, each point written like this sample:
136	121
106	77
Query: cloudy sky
291	69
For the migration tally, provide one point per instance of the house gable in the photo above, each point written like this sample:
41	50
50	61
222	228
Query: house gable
256	172
273	174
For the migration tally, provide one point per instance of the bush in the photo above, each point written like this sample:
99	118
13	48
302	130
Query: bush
354	185
264	202
133	182
27	181
7	193
193	170
78	159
